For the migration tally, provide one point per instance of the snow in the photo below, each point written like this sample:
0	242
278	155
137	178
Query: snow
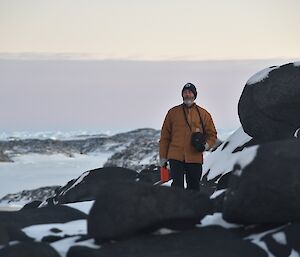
296	134
72	228
296	64
147	159
223	161
55	135
217	193
77	227
31	171
78	181
261	75
164	231
82	206
294	254
216	219
280	238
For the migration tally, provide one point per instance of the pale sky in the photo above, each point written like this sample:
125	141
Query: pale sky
137	56
98	95
164	29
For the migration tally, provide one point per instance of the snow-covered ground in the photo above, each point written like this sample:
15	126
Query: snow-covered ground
36	170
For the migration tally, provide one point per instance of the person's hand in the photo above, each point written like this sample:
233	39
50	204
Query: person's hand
162	162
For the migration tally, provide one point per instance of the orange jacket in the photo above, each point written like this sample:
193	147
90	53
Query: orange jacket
175	138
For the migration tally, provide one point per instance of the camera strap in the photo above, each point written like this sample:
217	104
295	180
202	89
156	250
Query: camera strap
201	121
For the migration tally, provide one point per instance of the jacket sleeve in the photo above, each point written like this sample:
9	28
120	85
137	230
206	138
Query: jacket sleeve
165	137
211	131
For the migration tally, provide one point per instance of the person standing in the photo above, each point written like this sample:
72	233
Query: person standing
187	131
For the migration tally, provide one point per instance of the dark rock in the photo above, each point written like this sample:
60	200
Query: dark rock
10	232
51	239
31	205
4	237
269	109
266	190
276	248
29	250
150	175
218	202
223	181
292	232
123	209
211	241
45	215
86	186
4	157
55	230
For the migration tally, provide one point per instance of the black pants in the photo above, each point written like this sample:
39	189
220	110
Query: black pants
193	172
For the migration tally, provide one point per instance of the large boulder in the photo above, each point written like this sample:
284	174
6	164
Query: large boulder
212	241
267	189
270	103
86	186
44	215
123	209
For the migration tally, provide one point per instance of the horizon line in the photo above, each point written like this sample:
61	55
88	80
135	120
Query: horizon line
64	56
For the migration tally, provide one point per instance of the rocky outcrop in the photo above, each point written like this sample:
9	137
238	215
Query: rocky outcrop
138	154
136	149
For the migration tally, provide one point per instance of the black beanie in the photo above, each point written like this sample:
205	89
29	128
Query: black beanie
191	87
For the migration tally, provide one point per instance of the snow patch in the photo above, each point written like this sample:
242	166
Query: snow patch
222	161
164	231
78	181
296	134
261	75
216	219
77	227
296	64
217	193
294	254
280	238
82	206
